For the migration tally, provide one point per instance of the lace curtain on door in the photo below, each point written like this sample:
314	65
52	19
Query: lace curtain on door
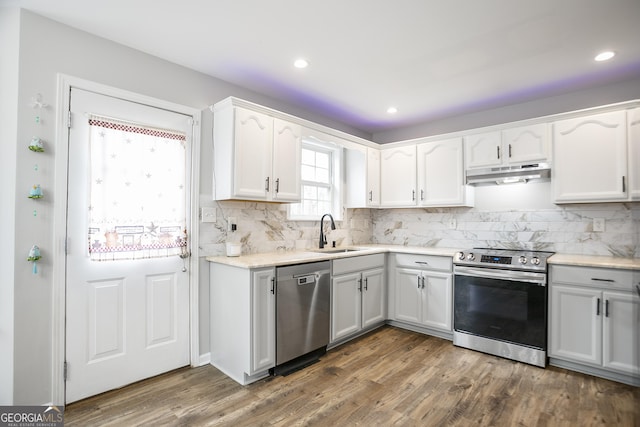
138	202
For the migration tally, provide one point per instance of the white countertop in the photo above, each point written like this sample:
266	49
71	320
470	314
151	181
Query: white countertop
595	261
274	259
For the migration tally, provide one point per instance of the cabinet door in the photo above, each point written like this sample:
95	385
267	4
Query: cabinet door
483	150
286	161
526	144
575	324
398	176
345	305
441	173
590	158
408	298
373	177
633	123
621	332
252	154
263	321
373	297
437	300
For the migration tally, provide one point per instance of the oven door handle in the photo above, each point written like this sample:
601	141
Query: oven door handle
513	276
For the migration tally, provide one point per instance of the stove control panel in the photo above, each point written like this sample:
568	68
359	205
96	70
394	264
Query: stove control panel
504	258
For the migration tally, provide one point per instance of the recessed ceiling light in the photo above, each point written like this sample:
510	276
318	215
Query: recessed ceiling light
604	56
392	110
301	63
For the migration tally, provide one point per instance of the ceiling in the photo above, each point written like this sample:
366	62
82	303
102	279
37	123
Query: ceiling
429	58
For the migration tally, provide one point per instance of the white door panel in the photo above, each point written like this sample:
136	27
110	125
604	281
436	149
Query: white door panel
126	319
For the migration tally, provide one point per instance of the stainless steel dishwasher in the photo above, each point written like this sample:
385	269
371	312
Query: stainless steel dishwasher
302	315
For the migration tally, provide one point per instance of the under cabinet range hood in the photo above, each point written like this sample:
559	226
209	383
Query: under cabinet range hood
508	174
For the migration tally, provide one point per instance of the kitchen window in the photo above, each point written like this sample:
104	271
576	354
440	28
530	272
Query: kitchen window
320	179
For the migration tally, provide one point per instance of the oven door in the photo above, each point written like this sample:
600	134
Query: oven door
504	305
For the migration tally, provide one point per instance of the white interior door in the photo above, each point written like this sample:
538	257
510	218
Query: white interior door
126	319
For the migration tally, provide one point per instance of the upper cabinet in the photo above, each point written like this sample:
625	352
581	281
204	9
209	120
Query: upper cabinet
441	174
286	161
362	177
425	174
512	146
373	177
256	156
590	158
398	176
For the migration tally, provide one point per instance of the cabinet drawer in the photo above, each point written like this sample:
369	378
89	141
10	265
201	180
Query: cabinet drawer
592	276
428	262
357	263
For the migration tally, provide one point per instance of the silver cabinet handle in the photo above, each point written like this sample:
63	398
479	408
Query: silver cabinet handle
624	185
509	150
598	308
370	196
273	285
366	283
498	150
421	194
418	281
266	184
413	195
360	285
606	308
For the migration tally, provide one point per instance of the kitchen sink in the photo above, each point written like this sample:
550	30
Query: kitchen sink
335	250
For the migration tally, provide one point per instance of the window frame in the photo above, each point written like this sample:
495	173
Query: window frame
316	144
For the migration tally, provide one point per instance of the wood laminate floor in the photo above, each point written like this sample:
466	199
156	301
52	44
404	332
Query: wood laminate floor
390	377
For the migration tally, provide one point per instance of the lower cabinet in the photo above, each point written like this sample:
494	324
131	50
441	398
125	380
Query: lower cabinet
358	293
242	321
594	320
422	291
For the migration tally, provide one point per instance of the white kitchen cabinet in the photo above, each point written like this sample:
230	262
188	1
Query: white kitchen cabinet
358	300
422	289
633	133
242	321
398	176
362	175
287	148
256	156
263	320
482	150
526	144
440	171
373	177
594	319
511	146
590	158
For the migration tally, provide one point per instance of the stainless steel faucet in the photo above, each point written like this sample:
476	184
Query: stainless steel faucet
323	238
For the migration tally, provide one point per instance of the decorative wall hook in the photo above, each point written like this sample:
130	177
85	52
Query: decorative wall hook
36	101
34	257
36	145
35	192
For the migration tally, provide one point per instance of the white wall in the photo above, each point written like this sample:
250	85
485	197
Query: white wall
9	36
47	48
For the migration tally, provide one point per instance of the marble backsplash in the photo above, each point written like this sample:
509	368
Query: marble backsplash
263	227
565	229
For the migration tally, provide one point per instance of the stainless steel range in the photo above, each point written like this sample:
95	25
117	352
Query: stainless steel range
500	303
